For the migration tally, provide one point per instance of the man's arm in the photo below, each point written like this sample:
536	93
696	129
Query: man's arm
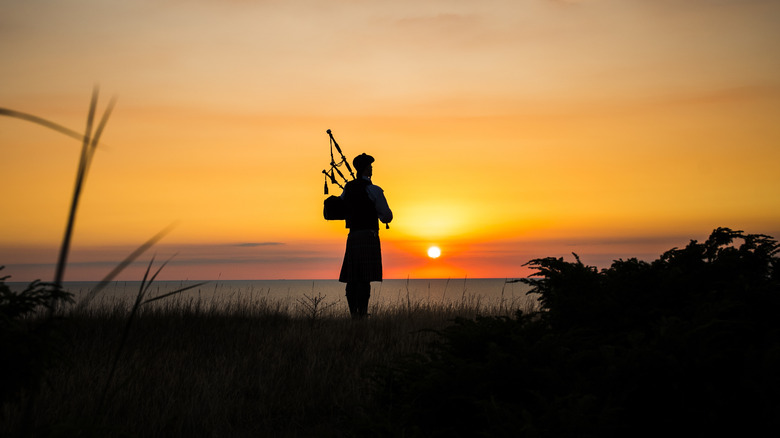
377	195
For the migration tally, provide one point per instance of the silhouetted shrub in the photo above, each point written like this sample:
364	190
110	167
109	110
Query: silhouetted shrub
26	335
689	343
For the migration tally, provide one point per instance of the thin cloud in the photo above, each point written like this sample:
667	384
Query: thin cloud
567	2
438	20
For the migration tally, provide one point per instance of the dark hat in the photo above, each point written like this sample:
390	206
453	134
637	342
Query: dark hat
361	162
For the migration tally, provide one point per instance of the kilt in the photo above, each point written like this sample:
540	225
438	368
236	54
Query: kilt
363	257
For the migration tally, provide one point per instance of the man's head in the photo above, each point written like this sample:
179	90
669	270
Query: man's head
362	165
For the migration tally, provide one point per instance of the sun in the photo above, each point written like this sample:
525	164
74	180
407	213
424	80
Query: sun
434	252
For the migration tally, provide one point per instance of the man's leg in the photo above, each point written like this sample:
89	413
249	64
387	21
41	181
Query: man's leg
365	294
358	294
352	299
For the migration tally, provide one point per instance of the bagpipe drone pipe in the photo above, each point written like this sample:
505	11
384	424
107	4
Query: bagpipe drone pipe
334	207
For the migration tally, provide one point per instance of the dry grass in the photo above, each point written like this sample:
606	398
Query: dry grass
194	368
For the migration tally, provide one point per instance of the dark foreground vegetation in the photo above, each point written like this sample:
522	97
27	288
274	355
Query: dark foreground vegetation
186	368
688	344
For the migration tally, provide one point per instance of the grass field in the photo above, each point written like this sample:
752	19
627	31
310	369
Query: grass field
190	369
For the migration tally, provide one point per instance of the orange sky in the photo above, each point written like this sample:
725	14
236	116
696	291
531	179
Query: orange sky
502	130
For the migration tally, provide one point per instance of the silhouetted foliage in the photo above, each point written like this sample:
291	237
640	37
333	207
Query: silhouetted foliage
26	334
688	344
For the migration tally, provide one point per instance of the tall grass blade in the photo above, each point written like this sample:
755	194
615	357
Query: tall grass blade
80	176
125	334
166	295
89	144
99	131
143	290
122	265
43	122
154	277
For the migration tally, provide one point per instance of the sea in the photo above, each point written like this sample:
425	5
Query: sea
487	293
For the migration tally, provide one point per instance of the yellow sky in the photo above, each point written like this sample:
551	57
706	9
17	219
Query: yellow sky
502	130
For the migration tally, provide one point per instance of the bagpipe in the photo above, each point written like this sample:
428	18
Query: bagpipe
334	207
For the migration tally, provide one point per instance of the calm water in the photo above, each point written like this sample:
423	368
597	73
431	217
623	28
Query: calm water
489	292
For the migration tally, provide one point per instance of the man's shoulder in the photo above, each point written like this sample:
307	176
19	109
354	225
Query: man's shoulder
359	182
355	187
